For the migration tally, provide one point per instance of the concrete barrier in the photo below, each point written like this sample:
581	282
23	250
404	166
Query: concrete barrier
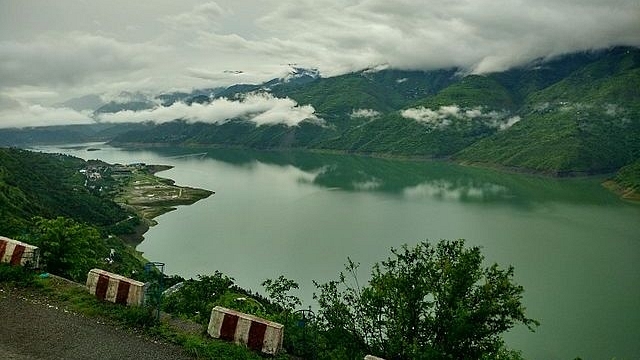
115	288
256	333
15	252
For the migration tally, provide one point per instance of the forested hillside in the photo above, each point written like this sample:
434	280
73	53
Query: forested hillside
574	114
588	122
36	184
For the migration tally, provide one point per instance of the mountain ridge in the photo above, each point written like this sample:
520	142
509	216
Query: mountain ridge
572	114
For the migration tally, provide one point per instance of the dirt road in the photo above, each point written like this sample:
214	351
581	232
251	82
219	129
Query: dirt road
31	328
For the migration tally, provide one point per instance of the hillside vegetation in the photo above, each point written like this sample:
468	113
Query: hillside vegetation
573	114
36	184
627	182
588	122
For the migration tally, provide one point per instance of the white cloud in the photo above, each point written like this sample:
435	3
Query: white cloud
368	185
68	59
260	108
447	115
481	35
55	47
364	113
203	16
508	123
15	114
439	117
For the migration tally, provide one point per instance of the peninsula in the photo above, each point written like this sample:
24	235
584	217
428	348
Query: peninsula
137	188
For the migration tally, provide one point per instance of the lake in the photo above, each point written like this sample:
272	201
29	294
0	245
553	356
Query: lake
574	245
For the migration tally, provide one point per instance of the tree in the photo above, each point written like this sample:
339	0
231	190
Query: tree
196	298
68	248
434	302
278	292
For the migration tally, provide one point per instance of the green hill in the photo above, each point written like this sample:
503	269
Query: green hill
578	113
35	184
588	122
626	182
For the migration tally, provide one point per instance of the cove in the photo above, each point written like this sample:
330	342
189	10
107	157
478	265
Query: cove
574	245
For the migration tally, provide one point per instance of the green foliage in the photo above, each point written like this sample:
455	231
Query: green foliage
626	182
472	91
589	122
206	348
43	201
17	275
68	248
629	176
278	292
48	185
424	302
196	298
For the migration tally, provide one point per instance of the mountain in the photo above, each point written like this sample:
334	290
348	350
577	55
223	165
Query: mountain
87	102
588	122
114	106
573	114
25	137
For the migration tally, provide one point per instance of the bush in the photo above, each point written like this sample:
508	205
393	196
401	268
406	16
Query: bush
17	275
68	248
429	301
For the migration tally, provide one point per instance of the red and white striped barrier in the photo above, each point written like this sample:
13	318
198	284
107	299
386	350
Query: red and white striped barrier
115	288
15	252
256	333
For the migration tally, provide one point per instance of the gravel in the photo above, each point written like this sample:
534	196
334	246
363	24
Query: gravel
31	328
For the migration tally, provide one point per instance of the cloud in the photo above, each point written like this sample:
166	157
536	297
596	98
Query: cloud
203	16
15	114
447	115
166	45
68	59
479	35
260	108
364	113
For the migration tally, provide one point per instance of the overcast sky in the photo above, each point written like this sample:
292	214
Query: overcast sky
51	51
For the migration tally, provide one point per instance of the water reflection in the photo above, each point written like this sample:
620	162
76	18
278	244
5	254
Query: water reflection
436	180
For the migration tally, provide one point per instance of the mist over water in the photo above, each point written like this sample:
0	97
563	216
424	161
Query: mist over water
575	246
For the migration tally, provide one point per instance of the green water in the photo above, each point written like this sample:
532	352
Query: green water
574	245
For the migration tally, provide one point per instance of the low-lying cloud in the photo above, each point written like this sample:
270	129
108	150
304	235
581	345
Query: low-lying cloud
16	114
364	113
447	115
260	108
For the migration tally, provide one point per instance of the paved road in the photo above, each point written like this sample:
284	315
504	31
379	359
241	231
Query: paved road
33	329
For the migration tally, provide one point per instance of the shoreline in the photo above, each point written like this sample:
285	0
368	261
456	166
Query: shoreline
626	194
605	174
451	159
149	196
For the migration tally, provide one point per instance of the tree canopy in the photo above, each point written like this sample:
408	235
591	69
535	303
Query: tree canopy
427	301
